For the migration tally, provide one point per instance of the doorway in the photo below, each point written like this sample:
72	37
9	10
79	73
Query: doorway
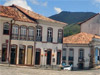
49	57
37	57
21	54
13	54
4	53
80	65
58	57
29	55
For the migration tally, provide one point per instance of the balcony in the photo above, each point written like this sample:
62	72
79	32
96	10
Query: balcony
15	36
49	39
38	38
60	40
31	38
81	59
23	37
71	58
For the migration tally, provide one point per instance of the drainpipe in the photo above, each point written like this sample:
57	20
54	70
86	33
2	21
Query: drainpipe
10	36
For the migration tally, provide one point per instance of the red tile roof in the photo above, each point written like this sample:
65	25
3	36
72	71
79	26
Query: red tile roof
17	15
35	15
80	38
22	14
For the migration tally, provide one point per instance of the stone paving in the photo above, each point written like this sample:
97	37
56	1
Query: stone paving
4	70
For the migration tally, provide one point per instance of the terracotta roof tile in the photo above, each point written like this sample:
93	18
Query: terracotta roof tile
80	38
7	11
36	16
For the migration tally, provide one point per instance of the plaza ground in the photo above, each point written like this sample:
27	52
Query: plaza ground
4	70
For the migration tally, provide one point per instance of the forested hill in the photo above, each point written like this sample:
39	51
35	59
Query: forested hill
72	17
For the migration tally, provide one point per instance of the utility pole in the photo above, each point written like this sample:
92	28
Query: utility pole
35	36
10	36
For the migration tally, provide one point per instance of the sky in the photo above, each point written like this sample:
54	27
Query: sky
52	7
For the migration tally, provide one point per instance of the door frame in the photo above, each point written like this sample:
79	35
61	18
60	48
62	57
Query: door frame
60	56
6	52
24	54
16	53
50	57
32	54
40	54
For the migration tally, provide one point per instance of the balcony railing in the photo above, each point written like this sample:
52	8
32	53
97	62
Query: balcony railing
81	59
15	36
23	37
31	38
38	38
71	58
60	40
49	39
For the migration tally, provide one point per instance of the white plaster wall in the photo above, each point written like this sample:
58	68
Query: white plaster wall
92	26
76	55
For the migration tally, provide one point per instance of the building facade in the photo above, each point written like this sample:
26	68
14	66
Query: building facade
81	50
92	25
27	38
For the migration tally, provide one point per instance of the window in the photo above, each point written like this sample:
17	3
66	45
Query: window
81	53
50	35
60	36
23	33
15	32
39	33
6	28
31	34
64	54
71	54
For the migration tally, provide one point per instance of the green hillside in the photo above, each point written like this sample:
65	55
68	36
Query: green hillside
71	29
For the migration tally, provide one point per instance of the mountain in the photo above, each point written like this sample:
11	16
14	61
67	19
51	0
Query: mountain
72	17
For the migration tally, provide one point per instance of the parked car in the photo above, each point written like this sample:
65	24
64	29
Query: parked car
67	67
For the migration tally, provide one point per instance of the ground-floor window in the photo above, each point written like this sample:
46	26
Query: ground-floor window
81	65
21	54
13	55
29	55
4	52
37	57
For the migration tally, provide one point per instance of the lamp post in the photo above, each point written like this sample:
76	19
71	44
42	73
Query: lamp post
10	36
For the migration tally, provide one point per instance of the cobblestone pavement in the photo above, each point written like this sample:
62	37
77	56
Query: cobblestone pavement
30	71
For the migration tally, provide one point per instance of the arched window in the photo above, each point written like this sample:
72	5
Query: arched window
60	36
31	33
6	28
39	33
23	32
49	35
15	32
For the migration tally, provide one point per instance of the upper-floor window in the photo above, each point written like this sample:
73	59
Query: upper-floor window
23	32
71	54
60	36
81	53
50	35
39	33
15	32
31	33
6	28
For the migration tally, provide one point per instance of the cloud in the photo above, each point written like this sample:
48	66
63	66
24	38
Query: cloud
98	1
36	2
58	10
22	3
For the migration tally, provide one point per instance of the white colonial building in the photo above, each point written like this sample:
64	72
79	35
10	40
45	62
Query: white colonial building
82	50
27	38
